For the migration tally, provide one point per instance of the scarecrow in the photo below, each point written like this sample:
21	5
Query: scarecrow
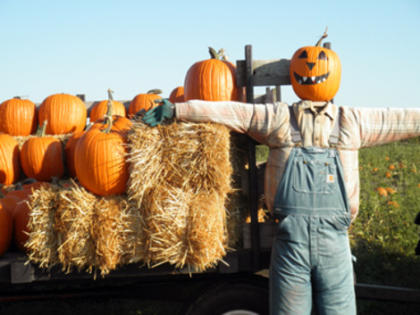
312	177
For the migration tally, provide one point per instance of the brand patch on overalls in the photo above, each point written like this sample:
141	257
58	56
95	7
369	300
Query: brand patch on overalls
330	178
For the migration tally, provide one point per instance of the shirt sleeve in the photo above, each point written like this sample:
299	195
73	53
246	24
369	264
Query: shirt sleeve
377	126
259	121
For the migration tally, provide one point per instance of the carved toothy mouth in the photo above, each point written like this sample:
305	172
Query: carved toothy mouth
311	80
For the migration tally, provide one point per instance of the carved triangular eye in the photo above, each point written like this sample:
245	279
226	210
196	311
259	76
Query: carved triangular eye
322	56
303	54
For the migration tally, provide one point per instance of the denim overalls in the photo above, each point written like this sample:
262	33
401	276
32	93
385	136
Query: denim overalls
311	258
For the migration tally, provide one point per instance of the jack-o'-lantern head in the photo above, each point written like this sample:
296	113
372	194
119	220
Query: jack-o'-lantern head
315	72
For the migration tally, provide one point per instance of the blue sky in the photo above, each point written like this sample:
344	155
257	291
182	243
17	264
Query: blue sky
86	47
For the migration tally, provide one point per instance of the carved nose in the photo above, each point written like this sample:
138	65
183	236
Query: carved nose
310	65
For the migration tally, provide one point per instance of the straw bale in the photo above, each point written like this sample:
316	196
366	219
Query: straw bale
206	230
42	242
22	139
179	179
114	227
73	223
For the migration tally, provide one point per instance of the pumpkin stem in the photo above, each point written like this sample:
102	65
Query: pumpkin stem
17	97
222	54
108	115
109	104
213	53
40	132
155	91
318	43
108	121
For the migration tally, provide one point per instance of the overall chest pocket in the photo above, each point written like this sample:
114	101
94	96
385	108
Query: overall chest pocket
314	176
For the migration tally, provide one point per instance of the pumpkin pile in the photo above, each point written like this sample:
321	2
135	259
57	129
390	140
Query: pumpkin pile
115	191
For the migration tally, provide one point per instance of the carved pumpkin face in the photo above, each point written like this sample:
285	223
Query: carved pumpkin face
315	73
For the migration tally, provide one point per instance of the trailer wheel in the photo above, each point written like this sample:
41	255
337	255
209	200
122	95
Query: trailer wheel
232	299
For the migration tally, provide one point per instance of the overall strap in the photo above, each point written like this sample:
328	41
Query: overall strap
297	137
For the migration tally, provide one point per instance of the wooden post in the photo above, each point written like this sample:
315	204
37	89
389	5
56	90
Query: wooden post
252	171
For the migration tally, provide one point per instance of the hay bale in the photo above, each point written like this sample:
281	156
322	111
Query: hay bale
174	211
42	241
73	222
63	138
179	179
79	230
115	233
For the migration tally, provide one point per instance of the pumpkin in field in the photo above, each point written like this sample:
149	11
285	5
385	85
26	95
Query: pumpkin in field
65	113
211	80
6	228
9	157
99	160
177	95
144	101
315	72
18	117
99	110
41	157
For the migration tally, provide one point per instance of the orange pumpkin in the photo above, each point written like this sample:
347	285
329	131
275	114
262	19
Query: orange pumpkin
382	191
211	80
99	160
69	151
144	101
18	117
6	228
65	113
20	224
315	72
9	157
177	95
99	110
9	203
41	157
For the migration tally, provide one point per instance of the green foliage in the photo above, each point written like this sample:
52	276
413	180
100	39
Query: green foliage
384	236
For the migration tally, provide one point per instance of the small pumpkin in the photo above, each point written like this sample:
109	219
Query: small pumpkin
211	80
65	113
99	110
119	123
6	229
9	155
41	156
382	191
100	161
177	95
315	72
144	101
18	117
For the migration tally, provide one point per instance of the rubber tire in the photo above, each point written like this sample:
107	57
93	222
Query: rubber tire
228	297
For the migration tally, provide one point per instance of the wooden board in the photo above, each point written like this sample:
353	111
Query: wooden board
264	72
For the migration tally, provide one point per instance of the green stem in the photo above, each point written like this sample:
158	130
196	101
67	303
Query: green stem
155	91
213	53
40	132
108	121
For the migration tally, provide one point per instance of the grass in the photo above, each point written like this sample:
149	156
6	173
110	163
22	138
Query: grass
384	236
